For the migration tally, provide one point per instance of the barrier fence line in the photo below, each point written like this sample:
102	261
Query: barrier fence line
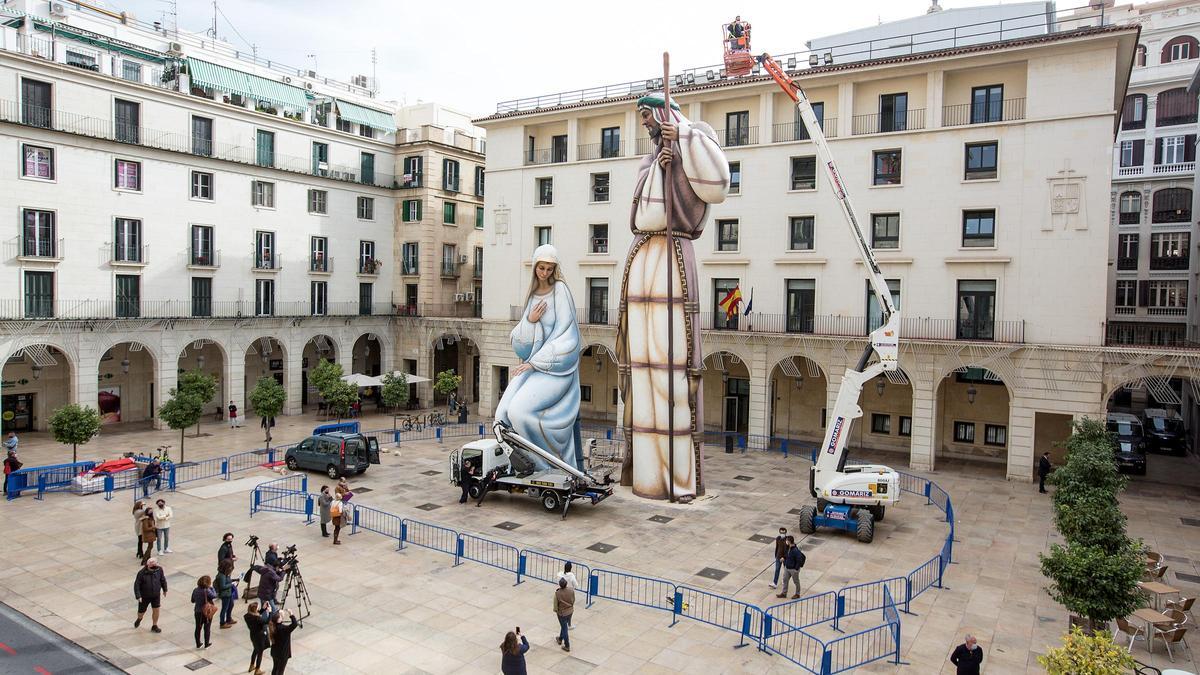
545	567
490	553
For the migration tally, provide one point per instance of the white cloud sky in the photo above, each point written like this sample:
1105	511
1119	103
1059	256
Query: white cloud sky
471	54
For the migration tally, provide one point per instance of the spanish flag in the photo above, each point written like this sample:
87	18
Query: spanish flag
731	301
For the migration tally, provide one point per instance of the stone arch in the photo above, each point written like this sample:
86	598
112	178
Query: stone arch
256	367
797	394
129	385
974	415
151	349
210	350
41	382
598	380
451	348
726	378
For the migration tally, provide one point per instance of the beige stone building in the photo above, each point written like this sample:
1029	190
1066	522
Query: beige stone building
983	188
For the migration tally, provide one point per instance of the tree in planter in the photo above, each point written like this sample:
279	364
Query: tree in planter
201	385
1087	655
447	382
1095	583
324	377
181	411
394	391
267	400
75	424
340	396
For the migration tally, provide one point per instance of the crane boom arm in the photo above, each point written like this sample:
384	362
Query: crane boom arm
884	340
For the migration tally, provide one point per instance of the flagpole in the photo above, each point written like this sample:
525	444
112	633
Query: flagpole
667	194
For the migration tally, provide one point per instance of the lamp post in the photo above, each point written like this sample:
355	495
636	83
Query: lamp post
37	371
971	391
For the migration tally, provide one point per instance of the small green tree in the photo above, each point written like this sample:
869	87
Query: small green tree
1082	654
324	375
340	396
75	424
394	391
181	411
1096	584
447	382
200	385
267	400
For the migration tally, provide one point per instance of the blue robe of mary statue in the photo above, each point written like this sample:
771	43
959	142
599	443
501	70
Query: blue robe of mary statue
542	404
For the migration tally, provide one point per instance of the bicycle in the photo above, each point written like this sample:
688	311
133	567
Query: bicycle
413	423
163	454
436	419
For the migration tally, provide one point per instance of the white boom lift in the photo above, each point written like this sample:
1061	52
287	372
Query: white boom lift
848	498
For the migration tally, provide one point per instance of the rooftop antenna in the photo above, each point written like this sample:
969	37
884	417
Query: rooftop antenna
172	11
933	7
213	30
374	77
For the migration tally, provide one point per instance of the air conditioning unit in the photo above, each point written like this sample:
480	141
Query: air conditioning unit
359	81
286	79
174	48
312	74
460	297
469	296
58	9
308	86
462	259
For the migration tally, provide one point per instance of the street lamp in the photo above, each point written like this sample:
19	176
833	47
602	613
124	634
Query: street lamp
971	391
879	386
200	362
599	365
37	371
799	380
125	364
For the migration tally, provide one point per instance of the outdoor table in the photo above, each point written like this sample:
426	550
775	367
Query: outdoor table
1158	588
1151	617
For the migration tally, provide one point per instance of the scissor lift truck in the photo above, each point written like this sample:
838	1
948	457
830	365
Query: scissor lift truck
516	461
848	498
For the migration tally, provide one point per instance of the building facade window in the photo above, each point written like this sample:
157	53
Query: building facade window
345	126
541	234
479	217
412	171
262	194
874	312
737	128
201	296
1127	251
449	260
964	432
801	300
478	272
1133	112
202	136
1172	205
1130	208
36	101
1175	149
320	159
801	234
987	104
905	425
127	175
599	187
1169	251
127	240
1133	153
366	208
735	178
479	176
127	123
597	300
1175	106
1179	48
610	142
411	211
893	112
202	185
129	296
264	297
995	434
367	262
881	423
39	295
885	230
449	213
366	166
1167	295
202	246
804	173
1126	293
264	251
318	298
264	148
598	241
409	257
979	228
558	149
887	167
37	161
722	288
981	160
545	191
38	234
976	310
450	175
318	259
1139	58
366	298
318	202
727	235
800	132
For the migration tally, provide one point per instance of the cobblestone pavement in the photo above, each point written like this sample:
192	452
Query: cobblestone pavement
69	563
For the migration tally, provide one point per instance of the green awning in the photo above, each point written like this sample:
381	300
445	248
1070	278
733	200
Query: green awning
253	87
97	40
352	112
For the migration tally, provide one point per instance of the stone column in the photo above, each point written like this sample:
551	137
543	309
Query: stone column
845	109
923	455
293	366
934	84
1020	441
572	139
235	380
766	117
166	378
760	393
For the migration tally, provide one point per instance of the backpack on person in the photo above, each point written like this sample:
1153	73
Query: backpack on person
335	509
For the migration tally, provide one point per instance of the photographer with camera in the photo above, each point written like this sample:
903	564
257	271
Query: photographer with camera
281	640
272	556
268	585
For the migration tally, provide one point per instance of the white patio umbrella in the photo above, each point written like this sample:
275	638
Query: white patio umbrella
361	380
412	379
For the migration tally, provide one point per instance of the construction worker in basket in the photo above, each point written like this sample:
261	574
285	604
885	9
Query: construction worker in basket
739	35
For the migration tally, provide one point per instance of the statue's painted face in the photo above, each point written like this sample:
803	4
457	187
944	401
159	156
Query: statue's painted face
544	271
650	123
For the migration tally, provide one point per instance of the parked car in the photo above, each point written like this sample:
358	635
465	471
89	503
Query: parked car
1164	431
1129	442
336	453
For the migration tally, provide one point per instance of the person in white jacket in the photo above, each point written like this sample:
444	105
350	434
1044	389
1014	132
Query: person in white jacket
162	522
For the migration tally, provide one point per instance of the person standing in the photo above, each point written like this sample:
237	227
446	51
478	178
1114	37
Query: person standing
225	584
564	607
512	653
271	559
139	509
781	548
256	623
569	576
268	585
225	552
337	511
162	526
792	562
466	477
149	533
203	608
149	588
281	641
1044	467
11	443
967	657
234	422
11	463
325	502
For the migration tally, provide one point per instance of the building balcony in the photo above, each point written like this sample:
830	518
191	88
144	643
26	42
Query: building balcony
734	137
794	131
370	266
1131	170
204	259
877	123
643	146
1124	310
600	316
450	185
409	268
477	271
122	255
545	156
1172	262
1166	311
1178	167
1148	334
411	180
599	151
267	263
319	263
450	269
1127	263
440	310
47	307
1008	110
35	250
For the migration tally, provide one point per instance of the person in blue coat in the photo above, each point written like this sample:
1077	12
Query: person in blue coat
512	653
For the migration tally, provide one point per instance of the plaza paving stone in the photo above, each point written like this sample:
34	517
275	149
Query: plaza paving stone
68	563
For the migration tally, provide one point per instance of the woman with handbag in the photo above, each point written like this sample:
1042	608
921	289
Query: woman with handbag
226	590
204	601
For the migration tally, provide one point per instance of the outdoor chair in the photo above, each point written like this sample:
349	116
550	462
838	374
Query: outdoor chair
1135	633
1183	605
1153	557
1156	574
1177	617
1173	636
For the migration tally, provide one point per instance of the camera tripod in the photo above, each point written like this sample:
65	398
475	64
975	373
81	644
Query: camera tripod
256	557
293	583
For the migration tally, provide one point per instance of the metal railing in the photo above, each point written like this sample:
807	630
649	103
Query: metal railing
796	131
599	151
369	266
208	258
48	307
914	327
477	271
599	315
737	136
1006	110
118	254
267	262
450	268
545	156
880	123
410	180
320	263
49	248
1147	334
409	267
1170	262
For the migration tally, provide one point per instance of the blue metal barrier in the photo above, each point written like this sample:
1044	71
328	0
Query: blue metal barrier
45	478
722	612
490	553
379	522
795	645
429	536
635	590
208	468
925	577
807	611
548	568
244	461
870	596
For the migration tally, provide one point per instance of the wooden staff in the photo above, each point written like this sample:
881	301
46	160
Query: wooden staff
669	114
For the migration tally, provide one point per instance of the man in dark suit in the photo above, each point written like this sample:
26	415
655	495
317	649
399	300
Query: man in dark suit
1044	467
967	657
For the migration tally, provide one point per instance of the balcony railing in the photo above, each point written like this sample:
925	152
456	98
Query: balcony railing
599	245
48	307
320	263
877	123
1178	167
1131	170
369	266
450	184
409	267
268	262
1170	262
1173	335
917	328
450	268
545	156
203	258
119	254
1124	310
643	146
737	136
182	141
435	310
1171	216
1166	311
1127	263
36	249
794	131
599	151
968	113
411	180
599	316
